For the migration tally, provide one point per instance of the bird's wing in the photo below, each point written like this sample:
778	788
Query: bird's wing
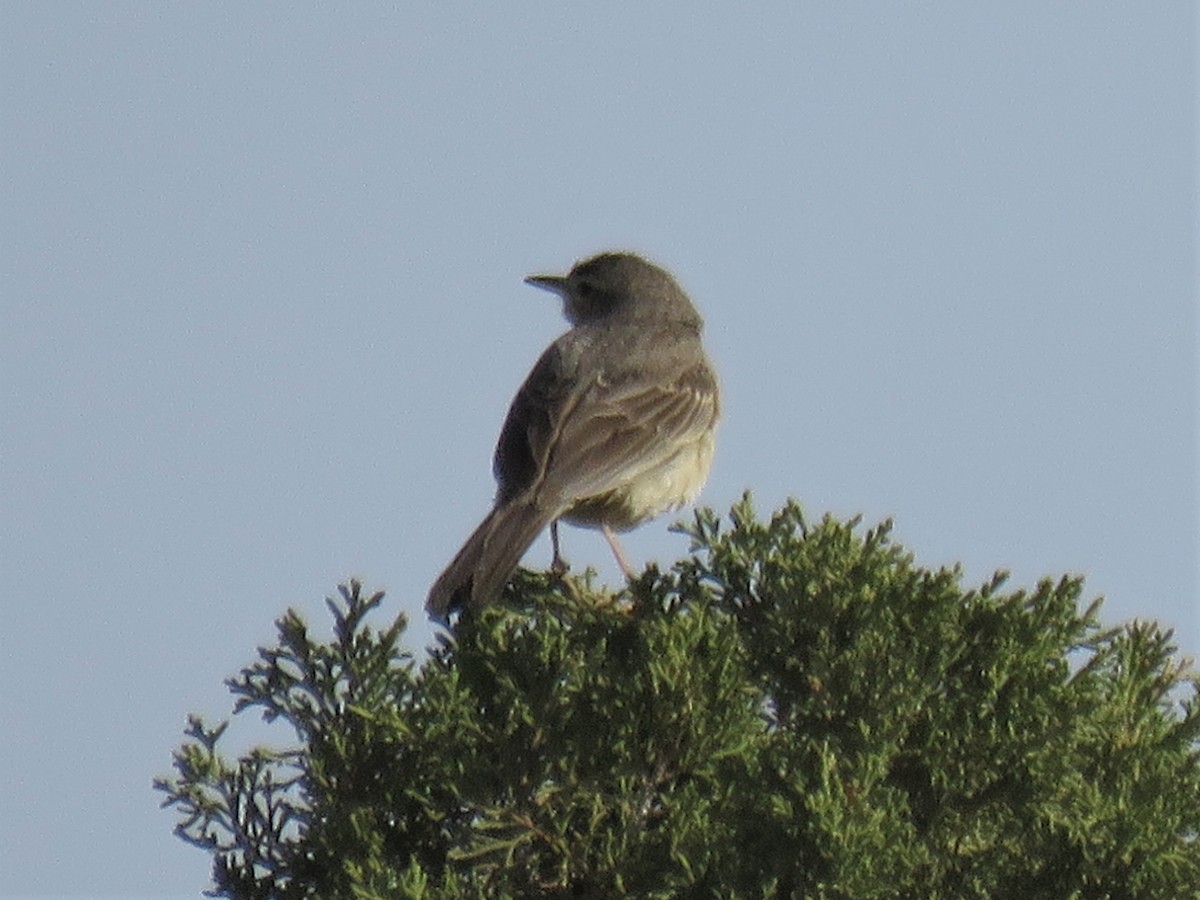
531	423
610	432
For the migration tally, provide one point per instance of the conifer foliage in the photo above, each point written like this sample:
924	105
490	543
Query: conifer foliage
793	710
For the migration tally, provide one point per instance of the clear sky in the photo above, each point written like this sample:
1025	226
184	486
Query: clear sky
262	315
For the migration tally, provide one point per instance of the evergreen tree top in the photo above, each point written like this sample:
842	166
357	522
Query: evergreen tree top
791	710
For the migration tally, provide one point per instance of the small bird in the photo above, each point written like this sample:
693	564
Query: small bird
615	424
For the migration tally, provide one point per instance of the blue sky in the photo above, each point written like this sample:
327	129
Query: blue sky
262	315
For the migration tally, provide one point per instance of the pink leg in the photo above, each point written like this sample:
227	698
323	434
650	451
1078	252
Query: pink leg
617	551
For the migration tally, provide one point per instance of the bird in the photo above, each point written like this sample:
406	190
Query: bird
614	425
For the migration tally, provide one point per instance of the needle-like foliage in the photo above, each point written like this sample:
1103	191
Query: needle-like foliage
793	710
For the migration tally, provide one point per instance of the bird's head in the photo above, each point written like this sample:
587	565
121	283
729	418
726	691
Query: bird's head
610	282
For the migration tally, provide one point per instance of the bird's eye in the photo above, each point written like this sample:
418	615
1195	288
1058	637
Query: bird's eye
585	288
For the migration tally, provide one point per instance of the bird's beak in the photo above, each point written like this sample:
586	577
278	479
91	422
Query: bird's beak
555	284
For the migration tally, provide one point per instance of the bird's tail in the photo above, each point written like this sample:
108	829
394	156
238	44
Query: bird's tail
481	568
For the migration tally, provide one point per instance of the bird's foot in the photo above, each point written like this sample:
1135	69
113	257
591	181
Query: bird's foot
559	566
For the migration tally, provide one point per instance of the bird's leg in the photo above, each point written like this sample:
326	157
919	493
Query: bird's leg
558	565
611	537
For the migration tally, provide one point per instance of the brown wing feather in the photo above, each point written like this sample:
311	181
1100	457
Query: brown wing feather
617	431
529	428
